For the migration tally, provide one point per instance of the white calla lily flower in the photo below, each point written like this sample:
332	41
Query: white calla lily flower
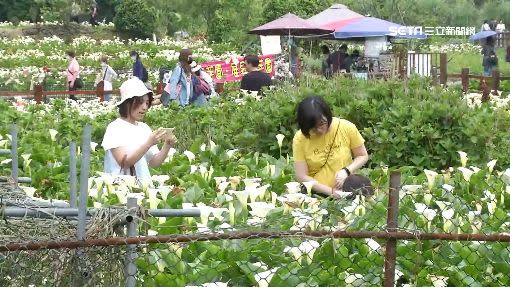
261	209
248	182
274	197
475	169
354	279
438	281
448	216
271	169
374	245
463	158
230	153
420	207
165	191
6	161
431	177
219	179
412	188
202	228
242	196
213	146
26	157
309	185
53	134
466	173
203	147
152	195
191	156
443	205
429	214
29	191
491	164
308	248
193	168
234	181
293	187
94	193
473	214
205	212
448	187
93	146
170	155
160	179
280	138
222	187
264	278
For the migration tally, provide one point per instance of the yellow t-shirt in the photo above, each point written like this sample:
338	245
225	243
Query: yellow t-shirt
314	150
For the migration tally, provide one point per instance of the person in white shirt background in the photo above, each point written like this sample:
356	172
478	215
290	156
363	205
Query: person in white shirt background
500	28
130	145
107	75
485	26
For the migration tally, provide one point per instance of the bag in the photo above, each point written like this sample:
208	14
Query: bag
203	87
78	84
178	89
145	74
493	60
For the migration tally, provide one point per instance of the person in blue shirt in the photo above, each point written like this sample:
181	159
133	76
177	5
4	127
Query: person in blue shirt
139	70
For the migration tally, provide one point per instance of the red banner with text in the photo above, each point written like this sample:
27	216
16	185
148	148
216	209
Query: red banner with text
233	70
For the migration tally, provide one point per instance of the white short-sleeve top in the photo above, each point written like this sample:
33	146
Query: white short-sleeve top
121	133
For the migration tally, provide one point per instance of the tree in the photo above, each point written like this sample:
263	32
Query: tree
303	8
135	18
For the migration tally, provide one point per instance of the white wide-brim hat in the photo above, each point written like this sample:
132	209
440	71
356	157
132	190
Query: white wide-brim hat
131	88
195	67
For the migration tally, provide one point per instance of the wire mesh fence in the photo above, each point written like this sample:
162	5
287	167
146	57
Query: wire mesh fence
340	243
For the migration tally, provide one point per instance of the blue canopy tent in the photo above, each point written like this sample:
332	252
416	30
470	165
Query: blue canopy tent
374	27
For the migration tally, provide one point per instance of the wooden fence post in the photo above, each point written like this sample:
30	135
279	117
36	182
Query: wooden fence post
433	75
100	91
38	93
465	79
443	69
220	88
402	61
485	90
495	81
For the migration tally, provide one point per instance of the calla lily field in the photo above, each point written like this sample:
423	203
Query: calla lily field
234	164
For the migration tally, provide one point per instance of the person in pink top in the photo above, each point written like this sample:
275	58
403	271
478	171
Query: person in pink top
73	74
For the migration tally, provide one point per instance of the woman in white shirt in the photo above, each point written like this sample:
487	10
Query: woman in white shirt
107	75
131	145
500	28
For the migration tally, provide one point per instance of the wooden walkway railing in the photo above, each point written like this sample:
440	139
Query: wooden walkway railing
492	81
39	94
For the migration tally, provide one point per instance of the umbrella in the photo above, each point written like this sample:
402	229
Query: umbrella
374	27
334	16
482	35
289	24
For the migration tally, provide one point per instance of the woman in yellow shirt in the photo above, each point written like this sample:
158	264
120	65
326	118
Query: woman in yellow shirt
326	149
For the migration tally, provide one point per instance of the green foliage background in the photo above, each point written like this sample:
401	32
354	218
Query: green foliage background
228	20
